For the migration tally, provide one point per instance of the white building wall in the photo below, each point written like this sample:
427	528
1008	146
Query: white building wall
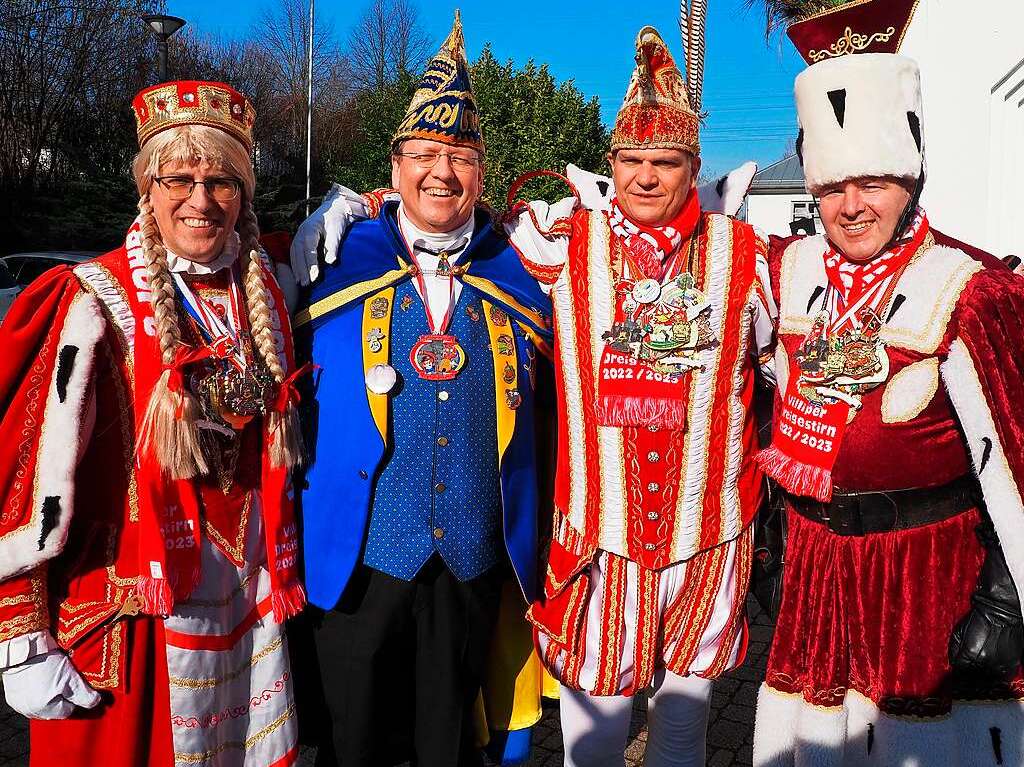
772	213
972	69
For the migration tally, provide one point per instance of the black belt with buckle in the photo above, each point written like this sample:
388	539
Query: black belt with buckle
883	512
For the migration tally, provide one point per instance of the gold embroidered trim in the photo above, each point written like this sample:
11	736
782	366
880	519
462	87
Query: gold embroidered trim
196	758
909	391
850	42
350	294
23	624
237	550
21	599
209	683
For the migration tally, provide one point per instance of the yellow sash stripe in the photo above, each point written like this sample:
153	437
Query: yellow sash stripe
348	295
506	415
378	402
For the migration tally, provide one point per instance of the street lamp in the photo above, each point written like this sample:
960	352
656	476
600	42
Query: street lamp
163	27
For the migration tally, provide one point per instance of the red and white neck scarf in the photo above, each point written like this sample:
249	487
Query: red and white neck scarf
169	518
650	245
630	391
807	435
858	285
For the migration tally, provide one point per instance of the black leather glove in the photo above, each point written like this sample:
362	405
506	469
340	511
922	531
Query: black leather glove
986	646
769	551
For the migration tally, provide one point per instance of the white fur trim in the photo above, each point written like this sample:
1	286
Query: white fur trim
64	432
781	368
909	391
789	731
596	191
873	94
930	286
998	485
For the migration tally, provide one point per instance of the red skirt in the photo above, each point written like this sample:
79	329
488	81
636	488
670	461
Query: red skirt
858	671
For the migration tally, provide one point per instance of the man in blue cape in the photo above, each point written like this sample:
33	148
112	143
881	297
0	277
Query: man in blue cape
420	507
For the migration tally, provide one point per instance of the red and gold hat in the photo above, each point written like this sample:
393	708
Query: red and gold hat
656	113
857	26
191	102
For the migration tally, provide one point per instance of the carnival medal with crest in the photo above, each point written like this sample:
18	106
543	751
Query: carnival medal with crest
438	356
239	387
661	327
841	358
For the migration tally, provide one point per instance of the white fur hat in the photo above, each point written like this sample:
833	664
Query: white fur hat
860	115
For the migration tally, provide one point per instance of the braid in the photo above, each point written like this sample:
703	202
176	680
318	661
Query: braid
285	435
169	425
160	286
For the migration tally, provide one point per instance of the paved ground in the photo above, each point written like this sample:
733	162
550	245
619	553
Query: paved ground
730	730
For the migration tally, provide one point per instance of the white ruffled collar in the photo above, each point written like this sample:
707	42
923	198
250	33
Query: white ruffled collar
181	265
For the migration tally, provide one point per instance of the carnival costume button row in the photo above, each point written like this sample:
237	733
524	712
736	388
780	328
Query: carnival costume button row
438	533
653	457
442	395
440	487
442	441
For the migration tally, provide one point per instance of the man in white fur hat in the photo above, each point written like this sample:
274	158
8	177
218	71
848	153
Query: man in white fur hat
898	441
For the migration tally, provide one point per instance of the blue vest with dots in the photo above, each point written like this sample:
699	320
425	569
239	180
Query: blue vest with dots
439	488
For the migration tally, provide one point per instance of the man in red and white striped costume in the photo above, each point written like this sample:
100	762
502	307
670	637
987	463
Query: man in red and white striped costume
661	313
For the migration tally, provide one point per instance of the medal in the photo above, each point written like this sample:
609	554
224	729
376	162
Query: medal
513	399
239	389
374	338
437	357
646	291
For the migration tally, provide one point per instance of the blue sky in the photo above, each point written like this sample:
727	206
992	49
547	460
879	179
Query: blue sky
748	83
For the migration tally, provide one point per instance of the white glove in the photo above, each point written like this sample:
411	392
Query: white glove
47	686
328	223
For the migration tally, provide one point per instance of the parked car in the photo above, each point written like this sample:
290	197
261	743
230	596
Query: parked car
19	269
9	289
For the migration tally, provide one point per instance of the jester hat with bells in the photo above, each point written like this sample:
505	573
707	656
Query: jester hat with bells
443	107
858	103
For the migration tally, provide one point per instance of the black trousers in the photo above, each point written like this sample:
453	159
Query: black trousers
401	664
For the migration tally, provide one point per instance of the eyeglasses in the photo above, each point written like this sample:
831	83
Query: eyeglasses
181	187
427	160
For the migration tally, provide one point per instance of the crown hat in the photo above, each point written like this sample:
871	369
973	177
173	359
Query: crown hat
193	102
443	108
859	102
656	112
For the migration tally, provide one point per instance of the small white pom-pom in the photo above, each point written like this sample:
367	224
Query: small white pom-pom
380	379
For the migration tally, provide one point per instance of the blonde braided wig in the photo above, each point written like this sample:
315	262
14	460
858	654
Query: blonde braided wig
169	426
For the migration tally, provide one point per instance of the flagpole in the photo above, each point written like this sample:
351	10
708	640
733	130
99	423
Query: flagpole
309	106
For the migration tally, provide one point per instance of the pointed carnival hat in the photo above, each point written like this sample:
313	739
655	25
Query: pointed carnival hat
656	113
192	102
859	103
443	107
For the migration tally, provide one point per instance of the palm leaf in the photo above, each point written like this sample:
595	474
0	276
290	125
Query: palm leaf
781	13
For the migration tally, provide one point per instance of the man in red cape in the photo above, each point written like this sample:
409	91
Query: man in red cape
898	440
147	547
